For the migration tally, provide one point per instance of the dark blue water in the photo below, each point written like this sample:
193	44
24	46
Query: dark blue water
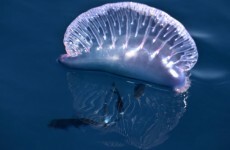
35	88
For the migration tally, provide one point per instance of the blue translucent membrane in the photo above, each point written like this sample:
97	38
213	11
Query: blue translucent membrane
132	40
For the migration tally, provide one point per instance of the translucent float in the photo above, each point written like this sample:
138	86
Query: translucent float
132	40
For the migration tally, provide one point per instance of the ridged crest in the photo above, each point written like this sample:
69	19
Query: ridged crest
125	26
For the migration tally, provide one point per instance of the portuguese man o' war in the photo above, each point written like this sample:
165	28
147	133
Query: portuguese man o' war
132	40
144	51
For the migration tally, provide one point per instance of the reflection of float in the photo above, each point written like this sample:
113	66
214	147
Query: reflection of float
142	114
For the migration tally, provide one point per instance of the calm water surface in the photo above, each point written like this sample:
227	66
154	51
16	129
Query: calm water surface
35	89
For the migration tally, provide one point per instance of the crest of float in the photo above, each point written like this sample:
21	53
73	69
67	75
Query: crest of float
132	40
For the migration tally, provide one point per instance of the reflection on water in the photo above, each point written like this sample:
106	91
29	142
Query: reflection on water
143	114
